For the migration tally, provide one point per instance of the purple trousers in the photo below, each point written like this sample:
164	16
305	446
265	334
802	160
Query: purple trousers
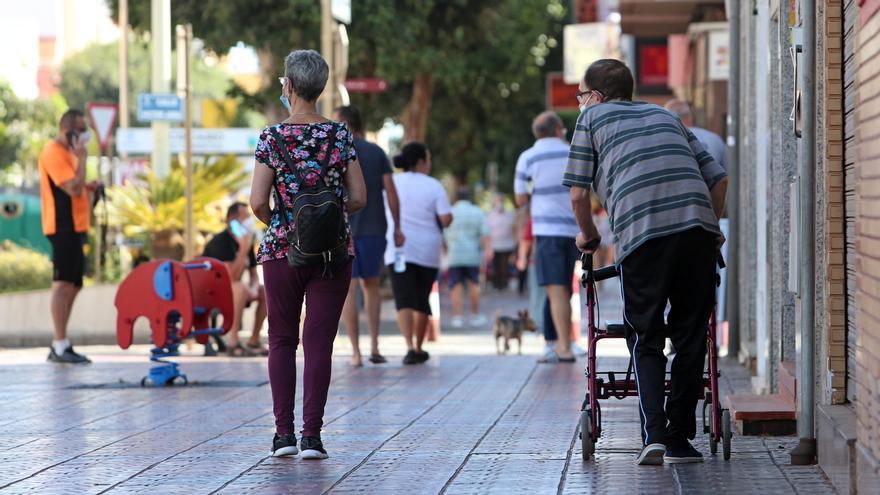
286	288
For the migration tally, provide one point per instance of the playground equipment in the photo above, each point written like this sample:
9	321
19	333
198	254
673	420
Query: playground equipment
180	300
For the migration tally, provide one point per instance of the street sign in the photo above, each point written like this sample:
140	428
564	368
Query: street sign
236	141
159	106
560	95
103	117
366	85
341	10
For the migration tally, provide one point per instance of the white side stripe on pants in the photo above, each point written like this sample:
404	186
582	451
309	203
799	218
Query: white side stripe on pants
635	362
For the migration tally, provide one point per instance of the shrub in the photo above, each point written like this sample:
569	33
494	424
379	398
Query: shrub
23	269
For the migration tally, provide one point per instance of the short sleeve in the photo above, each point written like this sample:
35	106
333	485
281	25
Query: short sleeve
442	206
60	166
710	169
349	151
521	177
581	168
263	151
386	164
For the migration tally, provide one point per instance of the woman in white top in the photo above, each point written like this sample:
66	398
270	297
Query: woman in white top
502	228
424	212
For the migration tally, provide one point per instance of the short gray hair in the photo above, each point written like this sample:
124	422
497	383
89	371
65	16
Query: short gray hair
308	73
547	124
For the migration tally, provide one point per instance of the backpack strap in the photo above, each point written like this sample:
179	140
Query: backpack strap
288	160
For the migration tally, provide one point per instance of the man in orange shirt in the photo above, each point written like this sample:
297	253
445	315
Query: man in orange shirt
65	210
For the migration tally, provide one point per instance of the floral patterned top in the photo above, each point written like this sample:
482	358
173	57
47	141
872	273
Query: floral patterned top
307	145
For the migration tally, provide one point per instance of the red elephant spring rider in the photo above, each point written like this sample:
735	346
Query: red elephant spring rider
180	300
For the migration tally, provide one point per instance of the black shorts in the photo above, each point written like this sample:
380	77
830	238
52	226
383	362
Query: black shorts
68	260
412	288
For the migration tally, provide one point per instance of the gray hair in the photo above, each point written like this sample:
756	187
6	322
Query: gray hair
308	73
547	124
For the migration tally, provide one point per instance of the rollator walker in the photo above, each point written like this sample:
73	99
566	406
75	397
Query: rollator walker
602	385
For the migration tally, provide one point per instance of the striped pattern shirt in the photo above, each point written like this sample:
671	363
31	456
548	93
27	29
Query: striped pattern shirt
649	170
543	165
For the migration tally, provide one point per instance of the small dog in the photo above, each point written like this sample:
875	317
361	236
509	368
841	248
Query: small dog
512	328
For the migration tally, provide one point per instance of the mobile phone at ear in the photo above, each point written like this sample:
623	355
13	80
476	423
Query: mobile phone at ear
70	136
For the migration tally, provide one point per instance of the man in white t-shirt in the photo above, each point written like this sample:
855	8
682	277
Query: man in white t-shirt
553	224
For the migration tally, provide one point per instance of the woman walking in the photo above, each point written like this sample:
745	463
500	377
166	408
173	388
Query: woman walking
300	158
424	212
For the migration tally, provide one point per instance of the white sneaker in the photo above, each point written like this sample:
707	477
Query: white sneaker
578	350
478	320
457	322
651	455
549	346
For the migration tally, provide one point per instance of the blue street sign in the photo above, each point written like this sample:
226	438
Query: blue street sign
159	106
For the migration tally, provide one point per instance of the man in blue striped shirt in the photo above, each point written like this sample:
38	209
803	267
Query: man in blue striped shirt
553	225
664	194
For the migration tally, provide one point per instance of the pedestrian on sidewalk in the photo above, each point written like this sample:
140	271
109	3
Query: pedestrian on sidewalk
664	194
368	228
305	152
234	246
468	249
502	228
538	302
553	224
66	208
424	212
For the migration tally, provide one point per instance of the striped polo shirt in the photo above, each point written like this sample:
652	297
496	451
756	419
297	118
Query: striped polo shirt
543	165
649	170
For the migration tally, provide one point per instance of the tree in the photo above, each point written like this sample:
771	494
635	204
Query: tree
25	125
464	75
93	75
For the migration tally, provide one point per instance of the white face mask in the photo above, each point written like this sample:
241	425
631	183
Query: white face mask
85	137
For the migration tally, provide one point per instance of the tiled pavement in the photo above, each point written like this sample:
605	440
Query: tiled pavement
467	422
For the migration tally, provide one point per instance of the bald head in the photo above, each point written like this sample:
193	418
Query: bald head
683	110
547	124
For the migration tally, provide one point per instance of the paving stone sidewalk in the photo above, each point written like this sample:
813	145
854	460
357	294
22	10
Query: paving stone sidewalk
468	422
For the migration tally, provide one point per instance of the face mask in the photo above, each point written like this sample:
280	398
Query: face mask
285	101
583	107
85	137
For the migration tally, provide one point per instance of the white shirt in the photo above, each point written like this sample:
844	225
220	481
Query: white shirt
544	166
501	225
422	200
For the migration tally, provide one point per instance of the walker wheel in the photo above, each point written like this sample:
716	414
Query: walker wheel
144	382
587	445
726	433
713	444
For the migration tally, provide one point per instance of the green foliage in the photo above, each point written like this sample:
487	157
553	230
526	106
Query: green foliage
23	269
487	59
93	75
151	205
25	125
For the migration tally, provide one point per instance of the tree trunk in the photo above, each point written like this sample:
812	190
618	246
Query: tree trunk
415	115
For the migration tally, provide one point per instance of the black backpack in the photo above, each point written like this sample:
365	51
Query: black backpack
320	234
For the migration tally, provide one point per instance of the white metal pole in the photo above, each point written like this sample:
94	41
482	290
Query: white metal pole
160	42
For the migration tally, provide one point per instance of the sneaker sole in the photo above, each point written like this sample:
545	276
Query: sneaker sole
682	460
285	451
652	457
313	455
